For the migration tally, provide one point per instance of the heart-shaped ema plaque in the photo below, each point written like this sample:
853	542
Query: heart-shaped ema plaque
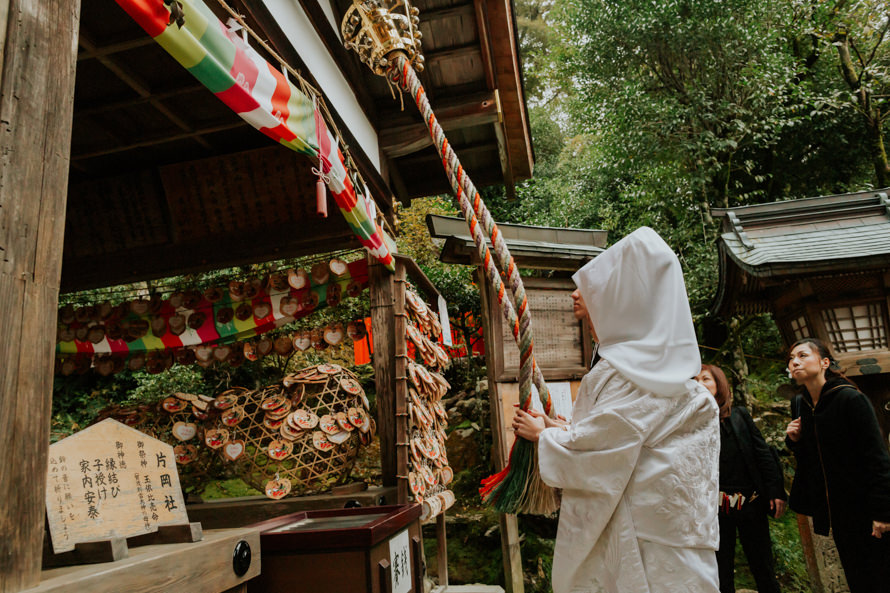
302	341
338	267
262	309
277	489
233	449
289	306
297	278
333	334
356	330
222	352
264	346
204	353
139	306
184	431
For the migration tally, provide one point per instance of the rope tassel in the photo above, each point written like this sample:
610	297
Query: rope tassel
518	488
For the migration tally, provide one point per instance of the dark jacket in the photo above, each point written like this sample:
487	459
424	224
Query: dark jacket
843	469
758	458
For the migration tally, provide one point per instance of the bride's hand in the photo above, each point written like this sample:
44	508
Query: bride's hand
528	426
558	422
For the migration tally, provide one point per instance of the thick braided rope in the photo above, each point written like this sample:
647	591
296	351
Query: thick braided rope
403	74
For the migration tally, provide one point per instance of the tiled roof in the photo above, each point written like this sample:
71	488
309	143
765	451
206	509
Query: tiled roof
552	247
810	235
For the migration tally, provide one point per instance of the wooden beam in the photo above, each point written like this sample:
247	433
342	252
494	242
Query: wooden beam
480	9
134	82
452	53
455	114
242	248
36	101
509	524
382	287
463	151
114	48
240	123
117	105
441	551
500	130
399	323
449	12
508	75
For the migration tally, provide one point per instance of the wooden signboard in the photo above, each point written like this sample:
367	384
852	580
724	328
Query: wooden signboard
110	480
562	343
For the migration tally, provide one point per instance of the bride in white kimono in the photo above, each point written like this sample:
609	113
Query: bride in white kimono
638	463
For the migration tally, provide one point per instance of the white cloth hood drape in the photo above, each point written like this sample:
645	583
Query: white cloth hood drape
637	301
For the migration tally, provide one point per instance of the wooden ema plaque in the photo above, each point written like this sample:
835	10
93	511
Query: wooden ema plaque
110	481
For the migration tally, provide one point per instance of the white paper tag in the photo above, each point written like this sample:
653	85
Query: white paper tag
560	395
400	562
445	322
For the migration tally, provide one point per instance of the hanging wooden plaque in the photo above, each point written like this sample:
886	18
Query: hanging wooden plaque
110	480
562	343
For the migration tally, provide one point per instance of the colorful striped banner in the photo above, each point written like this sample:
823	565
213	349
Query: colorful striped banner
264	98
213	332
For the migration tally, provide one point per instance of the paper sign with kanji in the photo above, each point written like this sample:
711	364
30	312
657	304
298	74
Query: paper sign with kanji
110	480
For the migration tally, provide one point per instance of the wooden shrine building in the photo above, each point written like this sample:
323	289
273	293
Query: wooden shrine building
121	164
821	267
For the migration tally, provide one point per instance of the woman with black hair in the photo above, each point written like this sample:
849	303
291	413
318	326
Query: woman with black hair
843	468
751	486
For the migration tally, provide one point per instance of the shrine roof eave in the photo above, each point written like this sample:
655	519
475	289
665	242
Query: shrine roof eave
551	248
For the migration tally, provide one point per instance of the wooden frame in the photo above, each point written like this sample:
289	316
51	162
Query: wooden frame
496	343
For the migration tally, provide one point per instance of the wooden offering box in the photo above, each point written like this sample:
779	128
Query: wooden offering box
374	550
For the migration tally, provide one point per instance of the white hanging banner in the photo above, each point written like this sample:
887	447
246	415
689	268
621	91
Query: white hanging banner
446	323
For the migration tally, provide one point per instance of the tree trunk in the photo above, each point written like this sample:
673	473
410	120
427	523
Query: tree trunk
739	364
873	126
878	152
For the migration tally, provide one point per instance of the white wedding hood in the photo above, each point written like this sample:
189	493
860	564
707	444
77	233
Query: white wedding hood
637	301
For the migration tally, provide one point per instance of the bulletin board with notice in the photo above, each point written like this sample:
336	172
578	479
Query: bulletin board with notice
563	347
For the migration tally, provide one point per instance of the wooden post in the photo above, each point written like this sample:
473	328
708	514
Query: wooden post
509	525
38	41
441	550
399	322
809	554
382	286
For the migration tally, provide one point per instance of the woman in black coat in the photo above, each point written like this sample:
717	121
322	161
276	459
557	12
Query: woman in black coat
843	469
751	487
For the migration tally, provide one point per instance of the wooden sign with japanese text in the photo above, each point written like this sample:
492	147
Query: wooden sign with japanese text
110	480
563	348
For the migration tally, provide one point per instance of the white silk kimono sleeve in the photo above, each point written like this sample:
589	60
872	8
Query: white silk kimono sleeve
619	435
598	454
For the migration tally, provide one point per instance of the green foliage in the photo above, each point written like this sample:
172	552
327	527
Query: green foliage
791	569
455	282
